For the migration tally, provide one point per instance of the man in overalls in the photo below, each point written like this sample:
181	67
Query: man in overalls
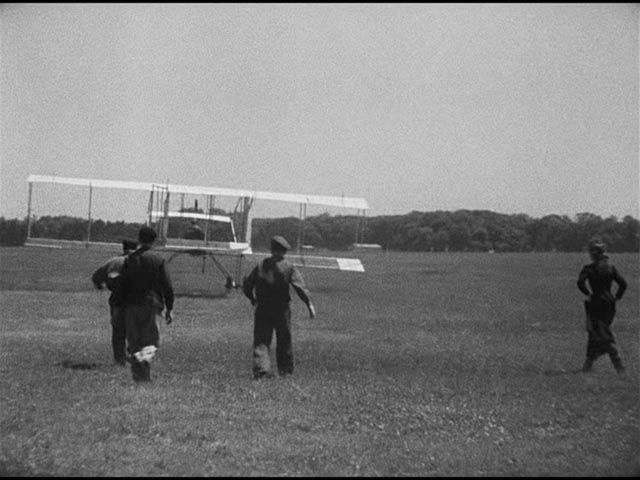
267	286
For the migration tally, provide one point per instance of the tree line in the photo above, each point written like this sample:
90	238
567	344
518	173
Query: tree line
461	230
482	230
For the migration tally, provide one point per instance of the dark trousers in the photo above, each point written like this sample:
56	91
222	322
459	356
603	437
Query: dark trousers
601	341
268	319
142	330
118	334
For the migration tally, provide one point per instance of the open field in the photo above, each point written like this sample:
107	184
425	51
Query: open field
428	364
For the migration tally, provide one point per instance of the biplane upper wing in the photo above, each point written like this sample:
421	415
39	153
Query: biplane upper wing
334	201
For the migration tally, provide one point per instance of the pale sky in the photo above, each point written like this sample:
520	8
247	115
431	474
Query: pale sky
515	108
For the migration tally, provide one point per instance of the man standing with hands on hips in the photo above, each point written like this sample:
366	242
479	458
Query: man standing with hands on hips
267	286
601	305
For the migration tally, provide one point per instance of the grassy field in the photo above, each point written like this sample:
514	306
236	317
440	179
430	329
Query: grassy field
426	365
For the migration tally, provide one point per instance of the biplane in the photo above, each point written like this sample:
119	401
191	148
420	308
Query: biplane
162	212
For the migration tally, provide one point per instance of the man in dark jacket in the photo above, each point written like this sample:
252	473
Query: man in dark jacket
601	306
108	275
146	290
267	286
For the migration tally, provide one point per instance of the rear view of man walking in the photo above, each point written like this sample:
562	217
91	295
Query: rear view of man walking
146	290
108	274
267	286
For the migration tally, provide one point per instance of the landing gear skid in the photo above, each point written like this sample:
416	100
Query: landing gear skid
230	283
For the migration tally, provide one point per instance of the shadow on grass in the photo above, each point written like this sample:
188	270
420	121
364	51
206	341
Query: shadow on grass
552	373
78	365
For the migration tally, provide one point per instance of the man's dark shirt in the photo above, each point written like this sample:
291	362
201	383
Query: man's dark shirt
108	274
145	280
600	276
271	279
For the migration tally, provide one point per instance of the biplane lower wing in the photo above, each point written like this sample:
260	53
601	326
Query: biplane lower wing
73	244
317	261
194	247
221	248
177	245
331	263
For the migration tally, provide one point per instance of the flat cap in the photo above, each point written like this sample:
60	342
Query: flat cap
147	234
596	246
129	244
280	242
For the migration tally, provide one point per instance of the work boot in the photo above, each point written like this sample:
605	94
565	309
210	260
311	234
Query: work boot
141	371
146	371
617	364
588	365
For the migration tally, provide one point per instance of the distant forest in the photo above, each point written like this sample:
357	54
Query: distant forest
461	230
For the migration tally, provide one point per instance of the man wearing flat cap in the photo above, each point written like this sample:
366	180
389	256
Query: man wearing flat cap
108	275
601	306
267	286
